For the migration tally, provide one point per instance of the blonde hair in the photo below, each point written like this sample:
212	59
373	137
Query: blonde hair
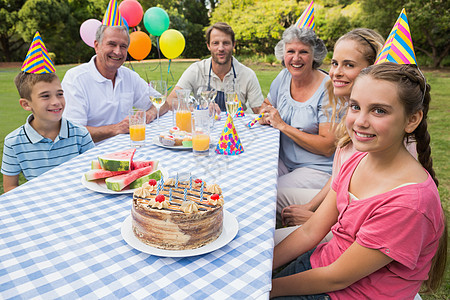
370	44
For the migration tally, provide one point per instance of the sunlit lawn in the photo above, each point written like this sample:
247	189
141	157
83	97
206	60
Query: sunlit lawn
12	116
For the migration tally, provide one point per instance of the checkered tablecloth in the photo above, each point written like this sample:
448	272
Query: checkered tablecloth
59	239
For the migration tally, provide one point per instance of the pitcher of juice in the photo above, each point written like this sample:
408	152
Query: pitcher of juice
183	114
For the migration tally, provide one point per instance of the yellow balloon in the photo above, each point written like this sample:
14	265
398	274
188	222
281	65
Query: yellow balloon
172	43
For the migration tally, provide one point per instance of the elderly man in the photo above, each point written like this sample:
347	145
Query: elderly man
220	70
100	93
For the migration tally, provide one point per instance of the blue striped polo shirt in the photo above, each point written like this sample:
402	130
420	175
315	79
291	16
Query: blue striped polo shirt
26	151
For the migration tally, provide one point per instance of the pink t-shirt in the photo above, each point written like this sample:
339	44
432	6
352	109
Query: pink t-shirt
405	224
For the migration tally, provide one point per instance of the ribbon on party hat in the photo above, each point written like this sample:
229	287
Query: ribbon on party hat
307	18
398	47
37	60
229	142
112	15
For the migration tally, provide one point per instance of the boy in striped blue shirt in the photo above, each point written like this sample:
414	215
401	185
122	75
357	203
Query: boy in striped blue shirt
46	139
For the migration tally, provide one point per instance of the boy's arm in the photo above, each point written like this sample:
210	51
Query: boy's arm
10	182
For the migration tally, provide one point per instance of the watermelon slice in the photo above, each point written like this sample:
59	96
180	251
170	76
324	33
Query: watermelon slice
99	173
137	164
117	183
117	161
95	165
140	181
144	163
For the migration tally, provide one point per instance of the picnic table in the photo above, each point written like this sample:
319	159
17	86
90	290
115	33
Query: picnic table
59	239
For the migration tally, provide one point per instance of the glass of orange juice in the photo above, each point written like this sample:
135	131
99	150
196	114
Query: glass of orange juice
136	119
200	134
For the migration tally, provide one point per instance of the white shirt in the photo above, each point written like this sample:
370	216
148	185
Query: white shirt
197	74
91	99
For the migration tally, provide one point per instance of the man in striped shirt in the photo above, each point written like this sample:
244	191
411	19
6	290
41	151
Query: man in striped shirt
46	139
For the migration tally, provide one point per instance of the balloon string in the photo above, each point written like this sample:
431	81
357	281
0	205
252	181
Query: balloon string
159	55
129	62
168	72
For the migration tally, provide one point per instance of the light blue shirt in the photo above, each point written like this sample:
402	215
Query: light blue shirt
26	151
305	116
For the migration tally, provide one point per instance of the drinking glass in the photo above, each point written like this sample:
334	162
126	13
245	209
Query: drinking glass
136	120
159	98
200	134
231	99
208	94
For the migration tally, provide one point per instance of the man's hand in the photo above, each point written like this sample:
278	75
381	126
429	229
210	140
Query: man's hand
295	215
150	114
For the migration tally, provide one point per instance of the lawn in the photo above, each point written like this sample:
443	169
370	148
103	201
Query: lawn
12	115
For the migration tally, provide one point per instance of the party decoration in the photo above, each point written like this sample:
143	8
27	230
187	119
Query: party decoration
307	18
229	142
398	47
240	110
172	43
112	15
156	21
37	60
255	120
88	30
140	45
132	12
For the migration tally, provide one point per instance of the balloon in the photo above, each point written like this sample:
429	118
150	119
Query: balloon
140	45
132	12
172	43
88	30
156	21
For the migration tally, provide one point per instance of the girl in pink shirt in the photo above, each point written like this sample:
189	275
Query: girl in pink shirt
388	225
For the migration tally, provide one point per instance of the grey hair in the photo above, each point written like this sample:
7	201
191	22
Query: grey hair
306	36
101	30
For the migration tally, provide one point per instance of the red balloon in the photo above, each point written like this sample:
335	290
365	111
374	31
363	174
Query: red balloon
140	44
131	11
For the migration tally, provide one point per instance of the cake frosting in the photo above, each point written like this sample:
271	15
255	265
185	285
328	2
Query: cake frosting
163	217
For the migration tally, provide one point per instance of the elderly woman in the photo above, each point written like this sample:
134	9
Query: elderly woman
295	105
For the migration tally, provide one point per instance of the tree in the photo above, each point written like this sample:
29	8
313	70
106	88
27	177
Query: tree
10	41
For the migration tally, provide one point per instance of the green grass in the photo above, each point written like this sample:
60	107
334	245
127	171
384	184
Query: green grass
13	116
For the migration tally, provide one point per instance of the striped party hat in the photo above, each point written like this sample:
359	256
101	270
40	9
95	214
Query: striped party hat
112	15
398	47
307	18
37	60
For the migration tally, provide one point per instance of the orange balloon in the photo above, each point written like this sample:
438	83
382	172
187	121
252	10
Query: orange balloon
140	45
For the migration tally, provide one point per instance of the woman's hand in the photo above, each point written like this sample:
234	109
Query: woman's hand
272	117
295	214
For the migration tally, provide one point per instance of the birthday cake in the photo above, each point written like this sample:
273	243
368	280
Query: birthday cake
177	215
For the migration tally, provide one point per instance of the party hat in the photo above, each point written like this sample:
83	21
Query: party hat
112	15
37	60
398	47
307	18
240	110
229	142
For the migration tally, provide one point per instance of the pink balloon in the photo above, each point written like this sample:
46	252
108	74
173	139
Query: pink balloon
131	11
88	30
